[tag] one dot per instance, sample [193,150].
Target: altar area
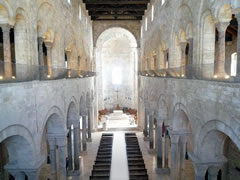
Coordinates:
[117,119]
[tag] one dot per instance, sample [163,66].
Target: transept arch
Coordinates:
[136,35]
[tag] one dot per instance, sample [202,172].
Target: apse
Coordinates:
[116,60]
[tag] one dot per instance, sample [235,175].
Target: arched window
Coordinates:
[80,12]
[234,64]
[152,12]
[116,76]
[146,24]
[163,1]
[69,1]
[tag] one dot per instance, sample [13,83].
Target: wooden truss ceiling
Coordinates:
[116,9]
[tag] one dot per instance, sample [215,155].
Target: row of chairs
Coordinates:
[136,165]
[102,167]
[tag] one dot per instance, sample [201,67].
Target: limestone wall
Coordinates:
[208,106]
[26,107]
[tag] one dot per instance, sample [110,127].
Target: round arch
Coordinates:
[72,114]
[82,105]
[211,139]
[136,35]
[118,31]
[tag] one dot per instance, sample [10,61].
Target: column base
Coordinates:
[152,151]
[89,140]
[73,173]
[163,171]
[146,138]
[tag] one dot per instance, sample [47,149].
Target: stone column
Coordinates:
[61,143]
[159,149]
[189,67]
[221,26]
[18,175]
[165,52]
[174,156]
[183,142]
[166,142]
[200,171]
[33,175]
[7,51]
[145,130]
[68,53]
[183,59]
[49,58]
[40,51]
[154,58]
[155,135]
[213,172]
[76,145]
[151,116]
[89,130]
[238,47]
[84,138]
[52,147]
[69,142]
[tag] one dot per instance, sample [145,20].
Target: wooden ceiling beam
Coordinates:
[115,9]
[114,15]
[116,2]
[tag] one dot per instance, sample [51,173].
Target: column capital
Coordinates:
[222,26]
[61,141]
[183,139]
[174,137]
[32,174]
[183,45]
[213,170]
[200,169]
[17,173]
[48,44]
[5,28]
[51,142]
[75,123]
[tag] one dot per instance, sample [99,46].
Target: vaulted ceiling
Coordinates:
[116,9]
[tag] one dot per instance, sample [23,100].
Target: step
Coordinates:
[136,163]
[138,171]
[134,177]
[101,167]
[135,159]
[99,177]
[100,173]
[135,167]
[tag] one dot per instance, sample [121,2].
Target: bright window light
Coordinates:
[69,1]
[116,76]
[163,1]
[80,12]
[146,24]
[141,32]
[152,12]
[234,64]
